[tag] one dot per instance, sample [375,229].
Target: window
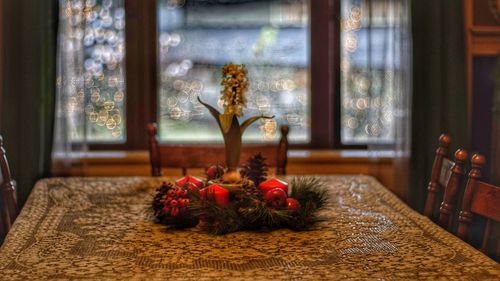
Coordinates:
[125,63]
[196,38]
[369,64]
[91,56]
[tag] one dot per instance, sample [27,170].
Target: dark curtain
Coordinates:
[29,89]
[439,102]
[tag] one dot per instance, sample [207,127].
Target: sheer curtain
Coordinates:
[376,80]
[70,85]
[90,101]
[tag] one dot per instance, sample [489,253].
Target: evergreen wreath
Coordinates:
[247,209]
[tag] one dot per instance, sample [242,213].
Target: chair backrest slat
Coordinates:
[485,201]
[445,173]
[202,155]
[191,156]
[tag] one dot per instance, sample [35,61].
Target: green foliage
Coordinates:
[309,190]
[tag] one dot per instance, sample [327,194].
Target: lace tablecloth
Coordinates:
[102,229]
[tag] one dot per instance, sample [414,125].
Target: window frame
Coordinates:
[141,76]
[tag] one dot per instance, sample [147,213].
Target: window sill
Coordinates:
[294,156]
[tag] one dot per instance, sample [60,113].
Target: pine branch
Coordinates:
[309,190]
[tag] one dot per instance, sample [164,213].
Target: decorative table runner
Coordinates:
[102,229]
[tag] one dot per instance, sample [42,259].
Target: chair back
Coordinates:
[480,199]
[452,180]
[443,187]
[8,199]
[202,155]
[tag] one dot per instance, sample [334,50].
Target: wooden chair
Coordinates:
[8,200]
[201,156]
[446,178]
[481,199]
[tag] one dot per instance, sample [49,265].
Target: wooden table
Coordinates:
[101,229]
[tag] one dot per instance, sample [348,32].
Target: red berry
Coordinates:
[171,192]
[276,197]
[183,202]
[292,205]
[179,192]
[166,209]
[174,203]
[174,212]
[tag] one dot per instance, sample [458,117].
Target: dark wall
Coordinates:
[483,86]
[29,29]
[439,98]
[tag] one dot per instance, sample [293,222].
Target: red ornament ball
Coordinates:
[292,205]
[276,197]
[215,172]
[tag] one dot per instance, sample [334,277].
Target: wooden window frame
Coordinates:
[141,71]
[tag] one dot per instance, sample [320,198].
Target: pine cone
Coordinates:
[255,169]
[250,189]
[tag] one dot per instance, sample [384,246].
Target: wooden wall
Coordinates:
[482,34]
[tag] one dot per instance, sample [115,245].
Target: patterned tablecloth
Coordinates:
[101,229]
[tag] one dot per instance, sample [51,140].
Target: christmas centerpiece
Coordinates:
[232,199]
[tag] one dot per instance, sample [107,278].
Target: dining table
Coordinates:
[103,228]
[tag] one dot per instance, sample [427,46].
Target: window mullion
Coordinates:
[324,72]
[141,72]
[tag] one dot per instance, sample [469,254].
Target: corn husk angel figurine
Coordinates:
[235,85]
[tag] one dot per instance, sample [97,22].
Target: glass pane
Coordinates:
[91,70]
[196,38]
[369,66]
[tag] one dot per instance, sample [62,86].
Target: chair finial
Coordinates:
[478,161]
[284,130]
[461,155]
[152,129]
[444,140]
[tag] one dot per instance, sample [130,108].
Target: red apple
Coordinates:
[292,205]
[276,197]
[215,172]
